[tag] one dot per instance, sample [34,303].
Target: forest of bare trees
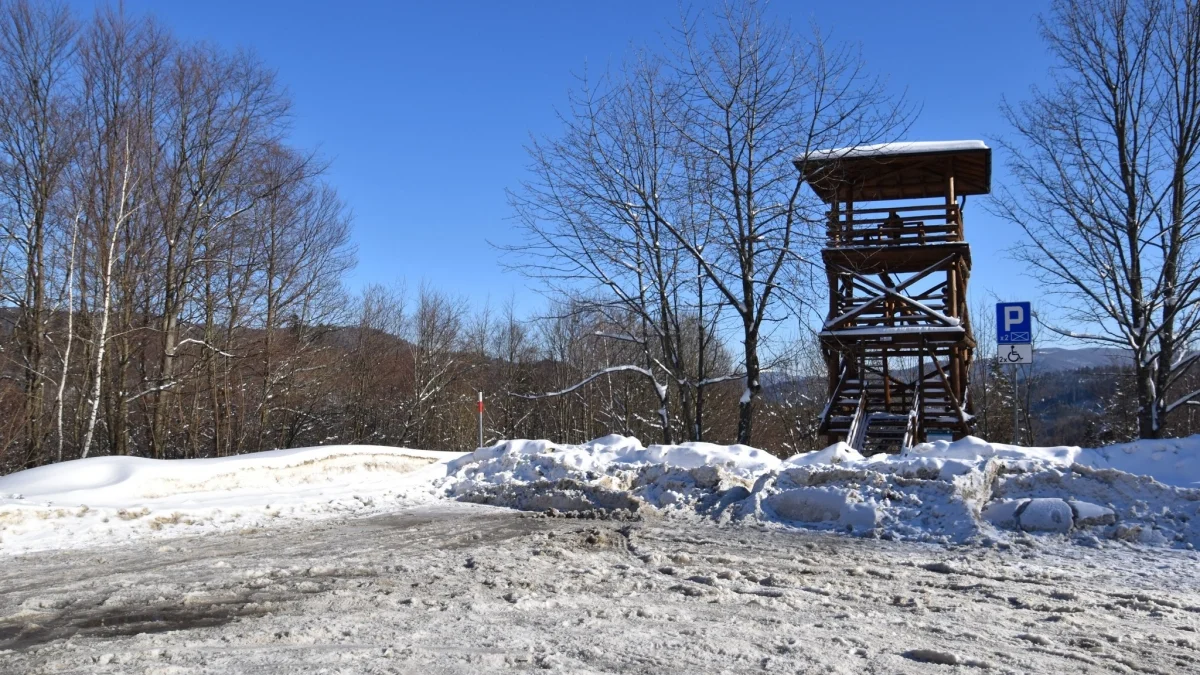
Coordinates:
[172,270]
[172,273]
[165,256]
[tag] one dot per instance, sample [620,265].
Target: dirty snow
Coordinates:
[462,588]
[944,492]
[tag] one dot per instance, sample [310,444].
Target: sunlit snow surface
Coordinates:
[105,500]
[967,491]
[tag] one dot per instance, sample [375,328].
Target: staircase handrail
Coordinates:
[837,389]
[857,432]
[912,433]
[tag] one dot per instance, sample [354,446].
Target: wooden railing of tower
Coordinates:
[921,224]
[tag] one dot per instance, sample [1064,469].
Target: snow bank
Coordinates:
[606,452]
[613,473]
[1170,461]
[116,480]
[102,499]
[965,491]
[968,490]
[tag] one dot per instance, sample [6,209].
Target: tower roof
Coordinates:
[903,170]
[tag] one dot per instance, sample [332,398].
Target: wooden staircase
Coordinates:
[876,415]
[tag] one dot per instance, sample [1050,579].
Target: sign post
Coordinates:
[1014,344]
[481,419]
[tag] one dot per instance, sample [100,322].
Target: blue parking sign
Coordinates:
[1014,323]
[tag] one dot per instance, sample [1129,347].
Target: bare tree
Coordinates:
[65,355]
[302,234]
[108,256]
[588,226]
[685,167]
[218,110]
[435,338]
[119,64]
[37,138]
[991,393]
[1106,168]
[759,96]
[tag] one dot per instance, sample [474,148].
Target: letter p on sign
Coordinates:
[1014,315]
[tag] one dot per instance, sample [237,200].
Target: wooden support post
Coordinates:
[848,227]
[834,294]
[835,225]
[920,391]
[955,374]
[887,382]
[952,204]
[952,290]
[833,363]
[952,310]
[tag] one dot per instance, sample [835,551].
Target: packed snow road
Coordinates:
[462,588]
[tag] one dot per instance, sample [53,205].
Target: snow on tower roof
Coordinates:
[892,149]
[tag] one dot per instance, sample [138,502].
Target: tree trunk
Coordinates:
[750,395]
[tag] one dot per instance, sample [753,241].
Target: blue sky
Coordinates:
[424,108]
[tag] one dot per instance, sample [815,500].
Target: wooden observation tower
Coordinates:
[897,340]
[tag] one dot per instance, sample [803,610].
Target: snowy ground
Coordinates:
[460,588]
[607,557]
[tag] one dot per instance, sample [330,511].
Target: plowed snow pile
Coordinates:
[966,491]
[105,500]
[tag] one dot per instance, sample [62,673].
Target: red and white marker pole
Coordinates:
[481,419]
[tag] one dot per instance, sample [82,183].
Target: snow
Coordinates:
[967,491]
[608,451]
[1046,514]
[1171,461]
[893,330]
[834,454]
[112,481]
[102,500]
[948,492]
[890,149]
[461,588]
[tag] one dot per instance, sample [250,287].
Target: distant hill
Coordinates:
[1048,360]
[1057,359]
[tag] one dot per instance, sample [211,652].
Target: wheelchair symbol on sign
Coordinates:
[1013,355]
